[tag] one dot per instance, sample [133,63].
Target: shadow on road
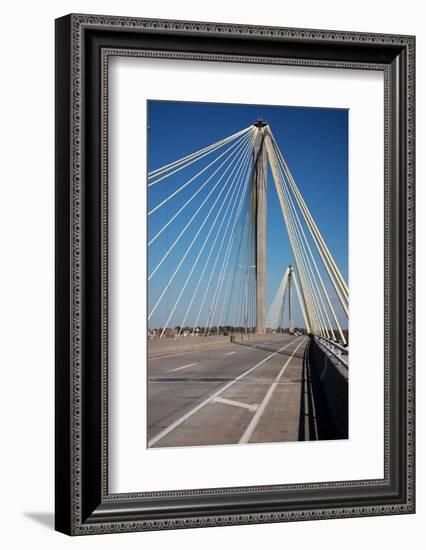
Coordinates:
[315,420]
[270,349]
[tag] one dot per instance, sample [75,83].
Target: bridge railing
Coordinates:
[340,353]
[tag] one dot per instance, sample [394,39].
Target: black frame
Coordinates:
[83,46]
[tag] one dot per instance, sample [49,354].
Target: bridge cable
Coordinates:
[221,275]
[231,148]
[240,201]
[232,188]
[313,228]
[300,267]
[205,241]
[311,223]
[192,242]
[196,156]
[272,316]
[234,159]
[243,260]
[326,263]
[309,260]
[192,197]
[307,270]
[314,263]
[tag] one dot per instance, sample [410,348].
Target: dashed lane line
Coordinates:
[210,348]
[184,367]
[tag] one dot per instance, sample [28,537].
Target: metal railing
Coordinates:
[338,351]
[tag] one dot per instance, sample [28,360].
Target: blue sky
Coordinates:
[314,142]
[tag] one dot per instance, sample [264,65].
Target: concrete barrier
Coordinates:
[239,337]
[169,346]
[332,380]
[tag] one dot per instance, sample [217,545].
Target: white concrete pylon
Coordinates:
[259,208]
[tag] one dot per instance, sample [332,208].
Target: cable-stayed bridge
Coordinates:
[212,332]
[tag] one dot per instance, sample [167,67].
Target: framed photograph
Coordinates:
[234,274]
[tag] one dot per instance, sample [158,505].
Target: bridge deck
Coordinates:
[265,391]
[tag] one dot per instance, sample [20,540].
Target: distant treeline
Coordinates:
[229,329]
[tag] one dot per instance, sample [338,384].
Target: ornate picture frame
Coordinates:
[84,44]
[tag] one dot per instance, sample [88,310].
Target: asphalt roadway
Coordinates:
[256,392]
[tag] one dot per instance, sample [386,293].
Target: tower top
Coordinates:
[260,123]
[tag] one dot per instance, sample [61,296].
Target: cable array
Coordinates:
[202,245]
[197,270]
[275,315]
[308,246]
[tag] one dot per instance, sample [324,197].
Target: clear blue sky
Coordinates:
[314,142]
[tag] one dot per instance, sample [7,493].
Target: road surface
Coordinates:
[256,392]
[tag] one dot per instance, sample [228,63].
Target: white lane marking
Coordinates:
[236,403]
[231,353]
[179,421]
[255,420]
[210,348]
[184,367]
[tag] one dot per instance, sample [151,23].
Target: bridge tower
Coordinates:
[259,197]
[290,290]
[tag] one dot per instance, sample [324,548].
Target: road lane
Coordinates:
[182,406]
[160,365]
[251,428]
[172,394]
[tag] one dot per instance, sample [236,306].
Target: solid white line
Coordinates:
[231,353]
[184,367]
[179,421]
[236,403]
[255,420]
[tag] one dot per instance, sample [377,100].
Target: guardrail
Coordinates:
[335,349]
